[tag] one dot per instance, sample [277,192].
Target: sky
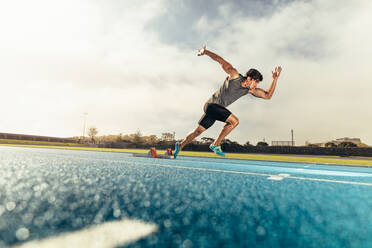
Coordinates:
[131,65]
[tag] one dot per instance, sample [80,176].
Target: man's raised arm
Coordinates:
[267,94]
[226,66]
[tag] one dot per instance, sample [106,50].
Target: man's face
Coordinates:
[253,83]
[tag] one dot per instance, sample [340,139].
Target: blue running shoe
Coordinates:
[211,146]
[176,149]
[217,150]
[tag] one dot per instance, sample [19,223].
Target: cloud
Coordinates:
[99,60]
[323,50]
[132,65]
[176,26]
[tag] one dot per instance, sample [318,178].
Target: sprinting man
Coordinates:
[234,87]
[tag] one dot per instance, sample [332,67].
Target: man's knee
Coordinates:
[237,122]
[233,120]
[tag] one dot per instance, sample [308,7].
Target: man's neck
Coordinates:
[246,84]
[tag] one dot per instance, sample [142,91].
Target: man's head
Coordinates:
[254,74]
[253,78]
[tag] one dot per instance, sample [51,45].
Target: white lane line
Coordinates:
[107,235]
[278,177]
[275,178]
[331,181]
[271,176]
[248,173]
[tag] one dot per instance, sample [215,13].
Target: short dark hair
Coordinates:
[254,74]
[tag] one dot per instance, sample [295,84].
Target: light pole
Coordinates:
[85,120]
[292,137]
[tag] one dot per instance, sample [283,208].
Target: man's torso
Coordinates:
[229,92]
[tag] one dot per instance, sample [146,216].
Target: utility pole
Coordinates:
[85,120]
[292,137]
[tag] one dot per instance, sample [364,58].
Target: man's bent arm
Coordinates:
[267,94]
[271,89]
[226,66]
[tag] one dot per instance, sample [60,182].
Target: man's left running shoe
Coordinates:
[217,150]
[176,149]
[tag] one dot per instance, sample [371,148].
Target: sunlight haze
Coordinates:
[132,65]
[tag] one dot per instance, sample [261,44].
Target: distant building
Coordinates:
[282,143]
[340,140]
[168,136]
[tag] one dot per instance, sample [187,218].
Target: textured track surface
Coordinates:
[195,202]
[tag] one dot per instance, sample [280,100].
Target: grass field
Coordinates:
[353,161]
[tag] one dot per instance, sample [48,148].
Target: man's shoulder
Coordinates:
[233,77]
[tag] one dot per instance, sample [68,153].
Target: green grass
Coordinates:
[263,157]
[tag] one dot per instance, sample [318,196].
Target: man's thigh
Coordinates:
[217,112]
[206,121]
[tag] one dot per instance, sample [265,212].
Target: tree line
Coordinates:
[139,140]
[168,139]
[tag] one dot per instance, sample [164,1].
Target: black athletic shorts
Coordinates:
[213,112]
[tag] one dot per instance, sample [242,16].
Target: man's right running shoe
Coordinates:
[217,150]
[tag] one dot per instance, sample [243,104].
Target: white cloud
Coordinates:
[61,59]
[322,93]
[100,61]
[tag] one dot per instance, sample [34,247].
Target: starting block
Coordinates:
[153,154]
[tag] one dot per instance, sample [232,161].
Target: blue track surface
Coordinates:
[196,202]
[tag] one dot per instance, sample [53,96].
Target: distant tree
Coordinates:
[347,144]
[229,142]
[150,140]
[330,144]
[207,140]
[312,145]
[195,142]
[137,137]
[109,138]
[127,137]
[92,133]
[262,143]
[248,144]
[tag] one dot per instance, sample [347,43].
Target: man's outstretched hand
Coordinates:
[201,51]
[276,72]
